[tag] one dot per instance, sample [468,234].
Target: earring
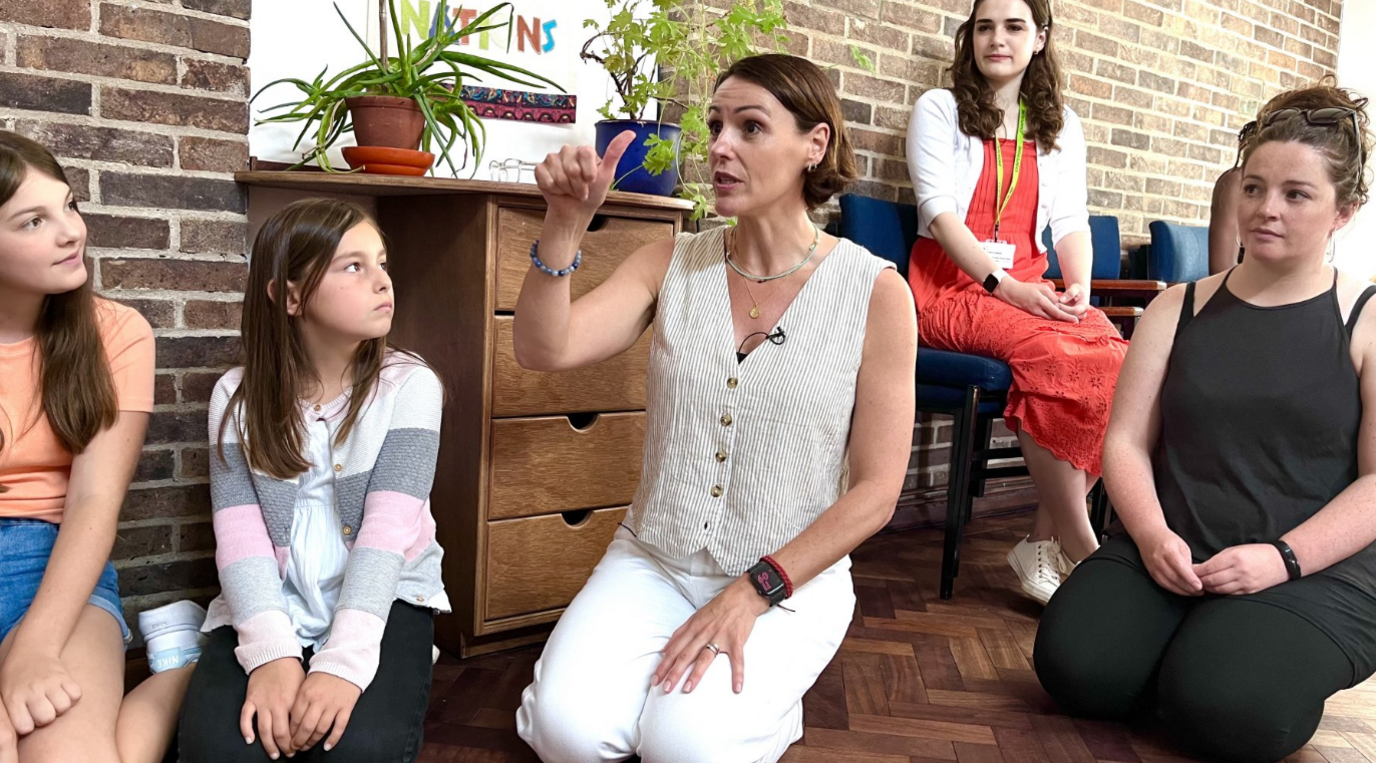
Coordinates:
[811,167]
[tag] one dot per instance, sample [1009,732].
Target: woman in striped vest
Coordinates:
[773,344]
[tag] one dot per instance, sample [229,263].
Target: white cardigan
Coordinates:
[945,165]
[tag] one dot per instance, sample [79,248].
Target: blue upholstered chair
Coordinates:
[1179,253]
[971,389]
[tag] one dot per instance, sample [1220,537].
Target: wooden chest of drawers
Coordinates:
[535,470]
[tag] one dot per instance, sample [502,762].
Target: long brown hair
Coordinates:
[809,96]
[1041,84]
[78,391]
[295,245]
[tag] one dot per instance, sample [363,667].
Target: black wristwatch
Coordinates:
[768,582]
[1292,565]
[992,281]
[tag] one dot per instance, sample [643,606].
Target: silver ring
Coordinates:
[714,648]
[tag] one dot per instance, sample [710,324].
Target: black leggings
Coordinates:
[1234,680]
[385,726]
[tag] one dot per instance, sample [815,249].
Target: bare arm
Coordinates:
[551,333]
[1347,524]
[1223,239]
[34,685]
[1133,429]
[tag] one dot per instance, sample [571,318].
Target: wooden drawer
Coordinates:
[539,563]
[545,465]
[617,384]
[611,240]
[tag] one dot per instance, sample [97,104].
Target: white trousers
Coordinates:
[591,699]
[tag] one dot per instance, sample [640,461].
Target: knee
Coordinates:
[1225,722]
[1080,672]
[564,727]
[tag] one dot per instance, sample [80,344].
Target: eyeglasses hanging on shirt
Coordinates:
[775,337]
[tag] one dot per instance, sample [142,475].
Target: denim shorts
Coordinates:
[25,546]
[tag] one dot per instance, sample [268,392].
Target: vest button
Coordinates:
[731,383]
[339,467]
[721,456]
[316,406]
[348,530]
[726,419]
[716,491]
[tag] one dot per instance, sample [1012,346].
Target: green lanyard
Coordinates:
[1017,167]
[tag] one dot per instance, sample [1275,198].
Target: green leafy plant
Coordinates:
[668,53]
[432,73]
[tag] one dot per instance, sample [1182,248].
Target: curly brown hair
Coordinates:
[1041,84]
[810,97]
[1345,145]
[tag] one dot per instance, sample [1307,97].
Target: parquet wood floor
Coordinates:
[918,680]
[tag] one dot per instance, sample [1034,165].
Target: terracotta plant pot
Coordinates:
[386,120]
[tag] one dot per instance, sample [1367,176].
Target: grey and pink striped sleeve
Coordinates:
[244,549]
[397,525]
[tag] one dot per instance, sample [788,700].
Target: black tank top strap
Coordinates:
[1186,310]
[1357,308]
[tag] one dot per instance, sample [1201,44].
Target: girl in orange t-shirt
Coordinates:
[76,389]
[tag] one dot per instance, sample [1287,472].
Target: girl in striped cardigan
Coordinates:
[323,453]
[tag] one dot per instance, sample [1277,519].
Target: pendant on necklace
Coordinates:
[755,311]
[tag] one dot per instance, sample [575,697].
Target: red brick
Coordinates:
[174,109]
[170,192]
[211,155]
[156,465]
[1191,131]
[1136,98]
[866,86]
[159,312]
[164,389]
[202,314]
[1114,114]
[175,275]
[1237,24]
[189,501]
[1197,52]
[856,112]
[1106,157]
[853,8]
[1096,44]
[195,536]
[145,579]
[1169,147]
[1268,36]
[878,34]
[80,181]
[910,17]
[1156,82]
[817,19]
[62,14]
[176,29]
[239,9]
[32,93]
[878,142]
[176,426]
[216,77]
[197,387]
[1125,74]
[120,232]
[1119,29]
[1143,13]
[1095,88]
[214,237]
[82,57]
[139,542]
[105,144]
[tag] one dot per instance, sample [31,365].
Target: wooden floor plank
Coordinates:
[917,680]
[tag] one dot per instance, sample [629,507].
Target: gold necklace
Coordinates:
[755,304]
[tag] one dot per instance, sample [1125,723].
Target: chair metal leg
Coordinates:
[958,497]
[984,435]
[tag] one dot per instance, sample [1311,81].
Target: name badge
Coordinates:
[1001,252]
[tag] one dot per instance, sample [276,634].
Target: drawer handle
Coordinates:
[582,422]
[598,223]
[576,518]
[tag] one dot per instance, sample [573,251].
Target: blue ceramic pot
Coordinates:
[632,175]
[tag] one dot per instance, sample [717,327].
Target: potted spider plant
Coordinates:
[666,54]
[405,101]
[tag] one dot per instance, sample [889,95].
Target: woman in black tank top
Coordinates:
[1239,591]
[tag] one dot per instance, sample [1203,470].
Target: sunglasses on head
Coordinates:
[1325,117]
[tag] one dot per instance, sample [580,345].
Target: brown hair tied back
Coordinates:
[1041,84]
[809,96]
[1345,144]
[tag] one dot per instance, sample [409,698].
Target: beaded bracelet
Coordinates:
[779,568]
[547,270]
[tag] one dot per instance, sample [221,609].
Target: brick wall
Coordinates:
[1161,85]
[145,104]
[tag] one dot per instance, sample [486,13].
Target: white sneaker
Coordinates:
[172,634]
[1063,564]
[1037,566]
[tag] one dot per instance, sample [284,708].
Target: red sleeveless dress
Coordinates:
[1064,374]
